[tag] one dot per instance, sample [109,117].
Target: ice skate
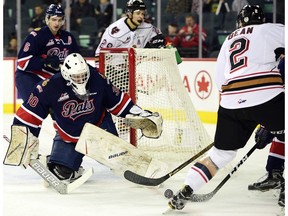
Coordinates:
[281,200]
[179,200]
[273,181]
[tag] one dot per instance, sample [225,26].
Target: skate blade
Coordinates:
[168,211]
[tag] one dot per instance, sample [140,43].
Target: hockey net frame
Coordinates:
[144,73]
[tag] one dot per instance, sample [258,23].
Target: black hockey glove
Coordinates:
[263,137]
[156,42]
[278,52]
[52,62]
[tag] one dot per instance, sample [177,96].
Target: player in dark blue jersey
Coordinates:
[78,95]
[43,50]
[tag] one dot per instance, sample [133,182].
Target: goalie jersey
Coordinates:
[41,43]
[70,112]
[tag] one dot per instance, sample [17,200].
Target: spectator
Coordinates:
[172,35]
[79,10]
[11,50]
[237,5]
[189,34]
[104,13]
[177,7]
[38,20]
[216,6]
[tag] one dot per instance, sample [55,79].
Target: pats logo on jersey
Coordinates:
[73,109]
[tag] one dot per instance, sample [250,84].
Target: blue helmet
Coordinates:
[55,10]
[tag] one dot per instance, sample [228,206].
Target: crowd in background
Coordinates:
[179,22]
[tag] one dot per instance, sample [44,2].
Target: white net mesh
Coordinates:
[158,88]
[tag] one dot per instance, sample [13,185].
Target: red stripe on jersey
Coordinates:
[66,137]
[28,117]
[23,62]
[277,148]
[121,106]
[200,173]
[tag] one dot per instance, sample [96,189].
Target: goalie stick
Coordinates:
[208,196]
[60,186]
[138,179]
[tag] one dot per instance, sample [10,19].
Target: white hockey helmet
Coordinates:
[76,72]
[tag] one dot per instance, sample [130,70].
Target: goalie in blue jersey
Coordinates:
[78,95]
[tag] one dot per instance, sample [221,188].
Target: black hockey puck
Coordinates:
[168,193]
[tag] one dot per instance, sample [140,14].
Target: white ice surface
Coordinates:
[105,194]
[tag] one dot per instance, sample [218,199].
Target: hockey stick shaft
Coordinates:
[208,196]
[142,180]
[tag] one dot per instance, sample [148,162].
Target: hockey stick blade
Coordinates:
[78,182]
[61,187]
[208,196]
[142,180]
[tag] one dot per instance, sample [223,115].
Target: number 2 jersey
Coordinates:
[70,112]
[246,70]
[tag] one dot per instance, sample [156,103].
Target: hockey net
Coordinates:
[152,79]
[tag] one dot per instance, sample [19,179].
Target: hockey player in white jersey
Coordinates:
[131,31]
[252,93]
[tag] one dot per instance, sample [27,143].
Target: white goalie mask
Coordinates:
[76,72]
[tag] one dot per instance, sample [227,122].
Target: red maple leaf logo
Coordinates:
[203,85]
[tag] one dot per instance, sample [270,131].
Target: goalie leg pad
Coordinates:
[64,153]
[23,147]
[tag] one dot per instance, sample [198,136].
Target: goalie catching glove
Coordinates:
[149,122]
[23,147]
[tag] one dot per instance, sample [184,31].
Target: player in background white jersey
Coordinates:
[252,93]
[131,31]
